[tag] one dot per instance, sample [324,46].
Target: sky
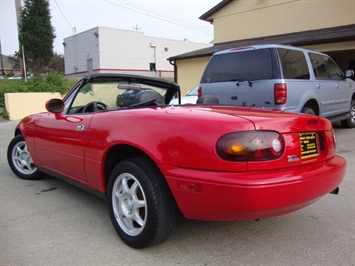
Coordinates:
[171,19]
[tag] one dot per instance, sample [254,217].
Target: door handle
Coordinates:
[234,97]
[318,86]
[338,86]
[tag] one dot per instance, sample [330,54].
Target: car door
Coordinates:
[330,86]
[341,86]
[60,143]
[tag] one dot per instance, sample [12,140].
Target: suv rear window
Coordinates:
[246,65]
[294,64]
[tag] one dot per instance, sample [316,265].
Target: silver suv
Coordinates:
[281,77]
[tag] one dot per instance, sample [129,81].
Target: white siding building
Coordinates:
[108,50]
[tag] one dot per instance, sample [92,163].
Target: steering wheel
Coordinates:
[95,106]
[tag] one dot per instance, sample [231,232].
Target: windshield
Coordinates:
[114,92]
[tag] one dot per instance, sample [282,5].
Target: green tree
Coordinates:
[36,35]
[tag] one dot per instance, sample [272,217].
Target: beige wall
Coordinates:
[244,19]
[19,105]
[190,72]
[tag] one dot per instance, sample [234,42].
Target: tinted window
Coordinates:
[246,65]
[325,68]
[318,65]
[294,64]
[333,69]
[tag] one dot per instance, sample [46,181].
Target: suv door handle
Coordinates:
[338,86]
[234,97]
[319,86]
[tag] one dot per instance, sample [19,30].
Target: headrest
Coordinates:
[143,98]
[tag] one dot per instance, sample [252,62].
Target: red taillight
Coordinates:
[199,92]
[280,93]
[251,146]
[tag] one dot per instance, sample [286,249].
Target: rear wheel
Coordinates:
[20,160]
[350,122]
[308,110]
[140,203]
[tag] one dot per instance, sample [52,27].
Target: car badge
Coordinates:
[293,158]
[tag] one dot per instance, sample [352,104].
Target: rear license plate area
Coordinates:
[309,145]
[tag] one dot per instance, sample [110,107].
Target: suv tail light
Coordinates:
[251,146]
[280,93]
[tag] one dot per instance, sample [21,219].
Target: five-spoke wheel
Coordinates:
[129,204]
[20,159]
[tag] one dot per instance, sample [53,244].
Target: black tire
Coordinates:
[307,110]
[20,160]
[141,207]
[350,122]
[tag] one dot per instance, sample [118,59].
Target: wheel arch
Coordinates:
[121,152]
[312,103]
[18,132]
[117,154]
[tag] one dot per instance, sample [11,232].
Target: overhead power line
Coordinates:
[73,28]
[156,15]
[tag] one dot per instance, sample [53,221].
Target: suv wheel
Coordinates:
[307,110]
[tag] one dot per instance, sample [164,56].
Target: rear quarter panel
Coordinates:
[170,136]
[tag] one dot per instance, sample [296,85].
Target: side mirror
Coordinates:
[349,73]
[55,106]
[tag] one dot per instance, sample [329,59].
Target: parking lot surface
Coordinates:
[49,222]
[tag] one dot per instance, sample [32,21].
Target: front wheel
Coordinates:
[20,160]
[140,203]
[350,122]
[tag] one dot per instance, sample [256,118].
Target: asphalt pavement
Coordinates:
[49,222]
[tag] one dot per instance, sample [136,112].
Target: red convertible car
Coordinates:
[117,136]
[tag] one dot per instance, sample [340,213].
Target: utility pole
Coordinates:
[18,6]
[2,63]
[136,28]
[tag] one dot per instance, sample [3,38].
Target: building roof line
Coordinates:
[206,16]
[310,37]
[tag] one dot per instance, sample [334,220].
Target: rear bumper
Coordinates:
[252,195]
